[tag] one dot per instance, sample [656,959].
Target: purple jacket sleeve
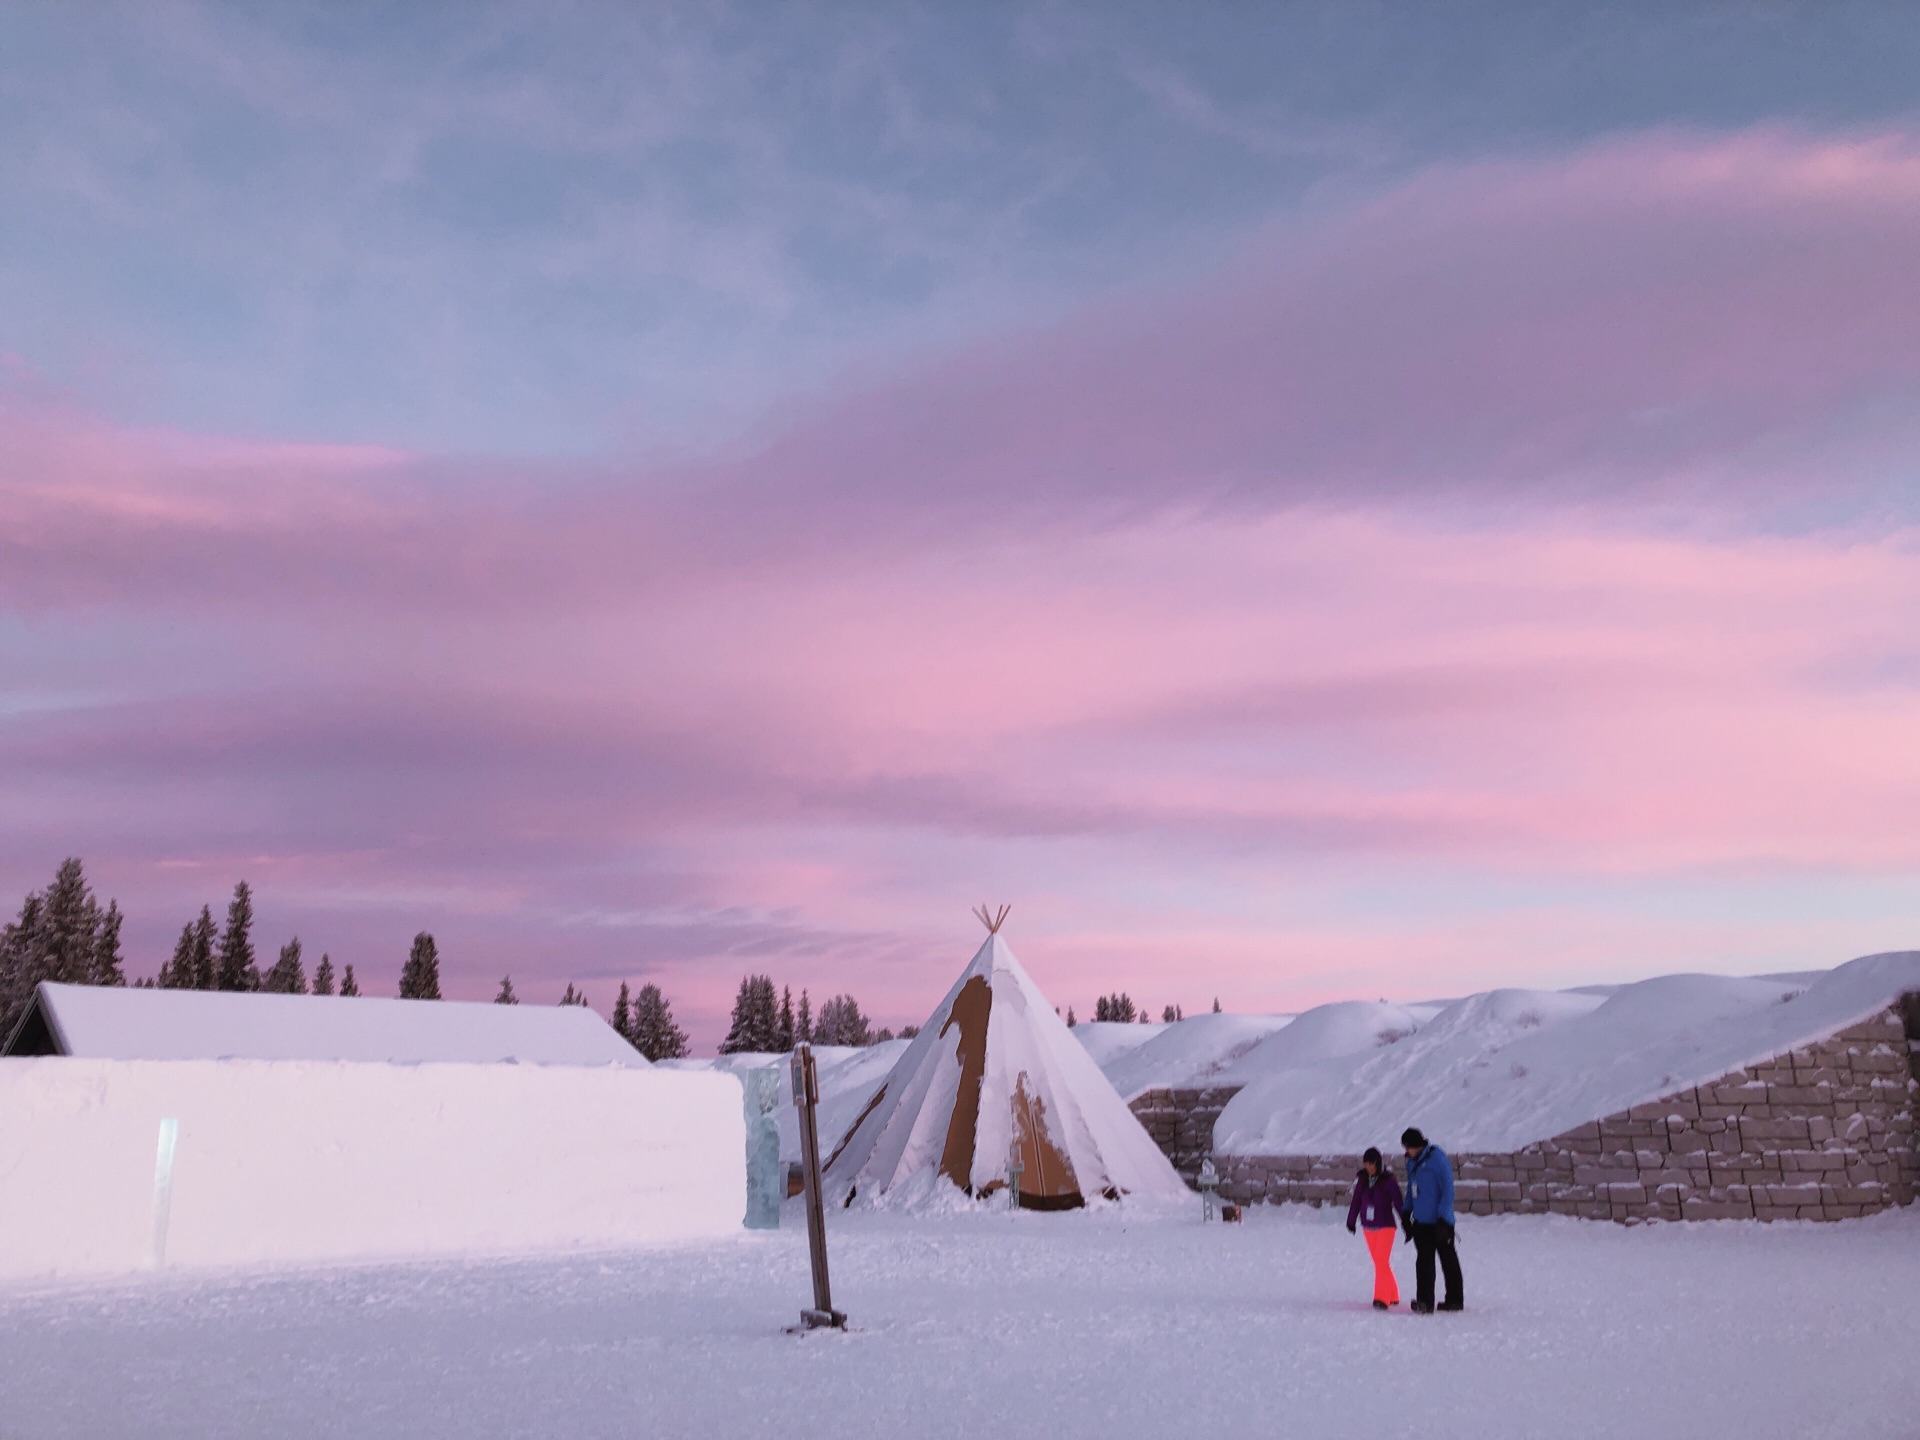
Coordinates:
[1353,1205]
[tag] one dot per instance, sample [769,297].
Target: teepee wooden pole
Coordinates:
[992,919]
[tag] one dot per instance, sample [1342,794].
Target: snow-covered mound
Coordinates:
[1188,1053]
[849,1075]
[1327,1032]
[1503,1069]
[1106,1041]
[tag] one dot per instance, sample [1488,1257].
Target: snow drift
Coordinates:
[290,1162]
[1193,1051]
[1106,1040]
[1500,1070]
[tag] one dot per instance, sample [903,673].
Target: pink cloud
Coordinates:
[1419,555]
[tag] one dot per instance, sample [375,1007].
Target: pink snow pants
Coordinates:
[1380,1246]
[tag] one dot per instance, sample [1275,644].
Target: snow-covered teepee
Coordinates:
[995,1079]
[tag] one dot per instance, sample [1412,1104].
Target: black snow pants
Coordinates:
[1430,1240]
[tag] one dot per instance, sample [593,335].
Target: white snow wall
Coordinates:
[299,1162]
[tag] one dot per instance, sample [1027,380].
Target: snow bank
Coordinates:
[1189,1052]
[294,1162]
[1346,1027]
[102,1022]
[1106,1041]
[1503,1069]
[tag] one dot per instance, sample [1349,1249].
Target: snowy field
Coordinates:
[989,1324]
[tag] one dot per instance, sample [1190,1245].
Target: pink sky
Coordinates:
[1505,577]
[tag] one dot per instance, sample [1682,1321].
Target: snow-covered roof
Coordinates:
[98,1022]
[1503,1069]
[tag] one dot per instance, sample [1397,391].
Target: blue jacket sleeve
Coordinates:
[1443,1187]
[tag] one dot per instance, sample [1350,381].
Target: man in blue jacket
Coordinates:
[1429,1222]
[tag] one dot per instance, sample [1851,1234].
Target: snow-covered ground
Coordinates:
[1087,1324]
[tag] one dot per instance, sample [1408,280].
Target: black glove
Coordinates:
[1350,1227]
[1407,1225]
[1446,1231]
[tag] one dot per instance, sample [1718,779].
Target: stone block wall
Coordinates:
[1826,1132]
[1181,1122]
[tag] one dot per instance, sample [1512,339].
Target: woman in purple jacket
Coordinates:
[1377,1208]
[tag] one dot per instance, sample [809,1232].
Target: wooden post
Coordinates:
[806,1096]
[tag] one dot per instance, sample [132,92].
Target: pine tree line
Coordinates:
[62,934]
[1115,1009]
[1119,1009]
[206,958]
[766,1025]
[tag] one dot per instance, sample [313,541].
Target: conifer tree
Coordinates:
[420,979]
[1071,1022]
[623,1014]
[654,1033]
[68,920]
[177,973]
[756,1022]
[909,1032]
[62,935]
[234,968]
[783,1032]
[1216,1004]
[21,947]
[288,976]
[182,972]
[803,1024]
[109,967]
[841,1023]
[506,995]
[202,952]
[323,975]
[573,996]
[349,987]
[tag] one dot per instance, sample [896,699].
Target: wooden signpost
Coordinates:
[806,1096]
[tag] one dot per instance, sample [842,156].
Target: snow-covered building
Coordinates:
[1680,1097]
[995,1080]
[164,1128]
[110,1023]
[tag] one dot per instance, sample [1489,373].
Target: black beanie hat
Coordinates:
[1412,1139]
[1372,1157]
